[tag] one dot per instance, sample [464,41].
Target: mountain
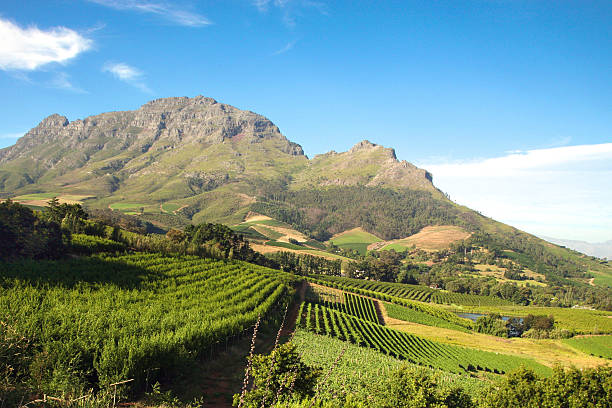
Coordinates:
[598,249]
[209,158]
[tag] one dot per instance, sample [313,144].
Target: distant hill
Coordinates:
[600,249]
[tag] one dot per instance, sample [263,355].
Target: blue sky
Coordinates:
[446,83]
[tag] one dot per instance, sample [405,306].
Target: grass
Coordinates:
[600,346]
[284,245]
[170,207]
[356,239]
[126,206]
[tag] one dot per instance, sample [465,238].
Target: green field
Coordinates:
[170,207]
[110,318]
[37,196]
[126,206]
[396,247]
[599,346]
[356,239]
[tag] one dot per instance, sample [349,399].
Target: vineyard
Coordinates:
[410,292]
[599,346]
[415,315]
[361,371]
[357,306]
[327,321]
[98,320]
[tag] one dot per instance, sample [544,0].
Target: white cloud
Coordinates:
[167,10]
[31,48]
[62,81]
[128,74]
[286,48]
[563,192]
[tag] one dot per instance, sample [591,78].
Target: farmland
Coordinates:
[410,292]
[356,239]
[120,316]
[600,346]
[415,349]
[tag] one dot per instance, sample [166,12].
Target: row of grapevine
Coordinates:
[420,307]
[410,292]
[118,316]
[415,315]
[409,347]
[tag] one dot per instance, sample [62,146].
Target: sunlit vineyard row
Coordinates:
[323,320]
[110,318]
[411,292]
[433,310]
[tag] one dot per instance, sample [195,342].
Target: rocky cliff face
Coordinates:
[174,120]
[180,148]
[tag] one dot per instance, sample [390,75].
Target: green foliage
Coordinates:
[110,318]
[409,388]
[24,235]
[565,388]
[384,212]
[303,264]
[88,245]
[491,324]
[277,376]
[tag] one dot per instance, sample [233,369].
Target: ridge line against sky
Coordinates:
[441,82]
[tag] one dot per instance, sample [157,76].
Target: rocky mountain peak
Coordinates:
[53,121]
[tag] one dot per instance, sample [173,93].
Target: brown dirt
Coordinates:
[431,238]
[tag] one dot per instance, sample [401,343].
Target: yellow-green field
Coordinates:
[356,239]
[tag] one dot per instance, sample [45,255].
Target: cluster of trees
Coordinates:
[532,326]
[29,235]
[303,264]
[385,212]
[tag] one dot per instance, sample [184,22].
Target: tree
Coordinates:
[279,374]
[410,388]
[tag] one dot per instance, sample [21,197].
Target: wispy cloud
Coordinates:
[128,74]
[563,192]
[286,48]
[31,48]
[62,81]
[166,10]
[290,9]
